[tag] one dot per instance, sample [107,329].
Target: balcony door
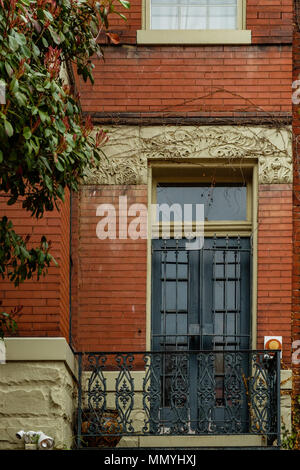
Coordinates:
[200,315]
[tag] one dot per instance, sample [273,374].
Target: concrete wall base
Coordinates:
[37,395]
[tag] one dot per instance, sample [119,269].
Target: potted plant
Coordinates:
[33,442]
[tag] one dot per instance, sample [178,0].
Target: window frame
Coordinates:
[194,36]
[211,227]
[158,170]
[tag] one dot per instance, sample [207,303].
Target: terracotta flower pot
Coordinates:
[108,424]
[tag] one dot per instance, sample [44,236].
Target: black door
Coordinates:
[200,314]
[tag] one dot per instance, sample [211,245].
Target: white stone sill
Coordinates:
[173,36]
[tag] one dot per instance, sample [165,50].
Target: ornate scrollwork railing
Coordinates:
[177,393]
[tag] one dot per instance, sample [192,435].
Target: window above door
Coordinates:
[221,201]
[194,22]
[226,196]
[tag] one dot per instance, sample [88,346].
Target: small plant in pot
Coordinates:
[33,442]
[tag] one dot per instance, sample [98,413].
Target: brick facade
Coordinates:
[296,224]
[196,78]
[109,277]
[193,80]
[96,297]
[46,302]
[269,21]
[108,291]
[274,268]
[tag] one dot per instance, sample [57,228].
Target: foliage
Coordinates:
[45,146]
[8,322]
[290,437]
[17,262]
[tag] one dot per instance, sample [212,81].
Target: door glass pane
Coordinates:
[230,295]
[231,323]
[182,291]
[219,323]
[174,296]
[219,295]
[170,295]
[221,202]
[173,324]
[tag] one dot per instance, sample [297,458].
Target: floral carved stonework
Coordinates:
[129,150]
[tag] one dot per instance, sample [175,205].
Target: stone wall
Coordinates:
[37,395]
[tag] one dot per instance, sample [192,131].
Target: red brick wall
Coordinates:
[196,78]
[269,20]
[108,277]
[45,302]
[274,297]
[187,79]
[296,222]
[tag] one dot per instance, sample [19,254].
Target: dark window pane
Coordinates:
[221,202]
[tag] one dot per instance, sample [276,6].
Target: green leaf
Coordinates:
[14,86]
[43,115]
[20,38]
[60,126]
[9,69]
[35,50]
[45,42]
[8,128]
[26,51]
[48,183]
[121,15]
[13,43]
[25,2]
[62,36]
[61,192]
[59,166]
[25,252]
[125,3]
[46,163]
[48,15]
[55,36]
[27,133]
[40,88]
[21,98]
[12,200]
[70,108]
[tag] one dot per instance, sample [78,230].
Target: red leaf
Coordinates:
[115,39]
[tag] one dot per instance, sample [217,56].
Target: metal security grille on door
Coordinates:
[201,302]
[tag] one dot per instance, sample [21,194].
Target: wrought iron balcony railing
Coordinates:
[177,393]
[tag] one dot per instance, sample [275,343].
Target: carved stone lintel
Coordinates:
[119,171]
[130,148]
